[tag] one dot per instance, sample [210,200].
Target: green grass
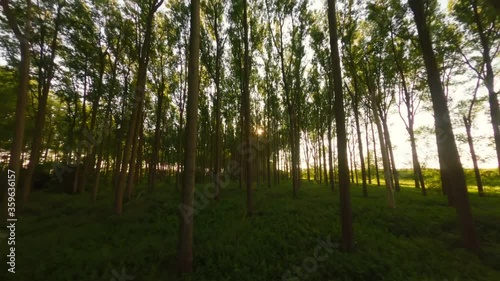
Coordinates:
[62,237]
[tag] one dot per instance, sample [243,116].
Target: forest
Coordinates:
[216,140]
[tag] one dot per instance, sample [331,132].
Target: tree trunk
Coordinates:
[133,170]
[157,137]
[479,182]
[138,105]
[489,81]
[307,157]
[45,81]
[218,120]
[90,159]
[81,131]
[105,142]
[373,88]
[330,156]
[375,154]
[368,164]
[391,155]
[447,149]
[324,160]
[185,248]
[351,162]
[417,170]
[246,111]
[345,197]
[15,162]
[361,156]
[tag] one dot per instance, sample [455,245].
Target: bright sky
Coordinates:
[426,145]
[482,130]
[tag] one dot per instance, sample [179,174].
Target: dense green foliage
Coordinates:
[63,238]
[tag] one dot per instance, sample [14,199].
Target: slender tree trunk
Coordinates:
[368,164]
[375,155]
[140,153]
[330,116]
[315,160]
[489,80]
[246,110]
[45,82]
[218,120]
[417,170]
[82,141]
[320,170]
[351,161]
[91,152]
[345,197]
[385,156]
[391,155]
[105,142]
[361,156]
[157,137]
[119,137]
[134,159]
[138,105]
[307,157]
[479,182]
[418,177]
[275,162]
[185,248]
[354,161]
[447,149]
[268,159]
[324,160]
[373,89]
[15,163]
[330,157]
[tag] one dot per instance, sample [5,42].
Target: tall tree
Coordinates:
[468,122]
[214,12]
[143,48]
[246,109]
[344,186]
[482,26]
[23,35]
[46,69]
[185,247]
[447,148]
[350,26]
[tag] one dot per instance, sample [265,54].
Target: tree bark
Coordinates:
[157,136]
[345,196]
[325,177]
[138,105]
[390,153]
[246,111]
[45,81]
[368,164]
[185,248]
[479,182]
[15,162]
[447,149]
[218,120]
[375,155]
[489,81]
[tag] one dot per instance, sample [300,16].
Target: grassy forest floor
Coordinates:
[61,237]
